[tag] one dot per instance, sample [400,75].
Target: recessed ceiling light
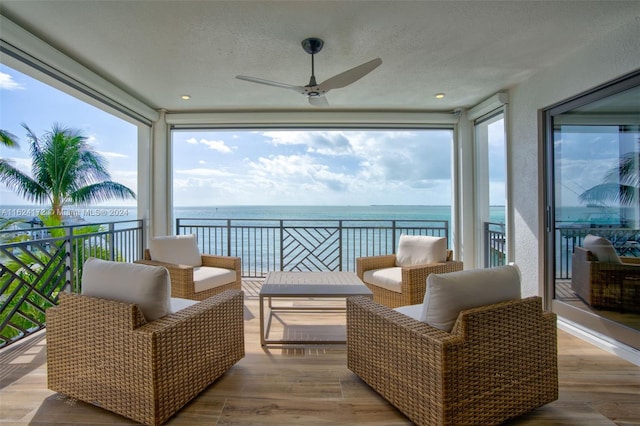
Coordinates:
[439,95]
[186,97]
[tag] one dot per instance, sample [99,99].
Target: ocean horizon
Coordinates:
[99,214]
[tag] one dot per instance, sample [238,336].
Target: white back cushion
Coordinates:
[601,248]
[147,286]
[420,250]
[448,294]
[178,249]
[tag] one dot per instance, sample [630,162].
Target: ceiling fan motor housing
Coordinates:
[312,45]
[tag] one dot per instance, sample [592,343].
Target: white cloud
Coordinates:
[22,164]
[108,154]
[202,172]
[8,83]
[325,143]
[216,145]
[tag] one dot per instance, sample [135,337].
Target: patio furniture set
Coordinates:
[145,338]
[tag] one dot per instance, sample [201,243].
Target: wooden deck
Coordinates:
[312,386]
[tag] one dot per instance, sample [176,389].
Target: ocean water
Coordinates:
[296,212]
[564,215]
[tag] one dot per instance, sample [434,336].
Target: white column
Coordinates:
[160,179]
[464,197]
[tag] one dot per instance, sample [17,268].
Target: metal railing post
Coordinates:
[228,237]
[281,245]
[393,236]
[111,241]
[69,261]
[340,245]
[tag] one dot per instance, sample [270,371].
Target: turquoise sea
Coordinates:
[375,212]
[564,215]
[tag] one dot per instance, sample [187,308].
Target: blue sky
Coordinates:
[248,167]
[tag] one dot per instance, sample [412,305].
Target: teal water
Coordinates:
[564,215]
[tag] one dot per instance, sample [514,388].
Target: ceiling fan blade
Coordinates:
[319,101]
[298,89]
[349,76]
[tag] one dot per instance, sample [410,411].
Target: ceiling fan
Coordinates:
[314,91]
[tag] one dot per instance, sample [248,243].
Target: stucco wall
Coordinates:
[601,61]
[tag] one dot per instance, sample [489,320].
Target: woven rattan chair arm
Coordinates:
[374,262]
[74,309]
[227,262]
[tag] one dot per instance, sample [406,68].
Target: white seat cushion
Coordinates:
[420,250]
[413,311]
[178,304]
[389,278]
[177,249]
[147,286]
[448,294]
[601,248]
[208,277]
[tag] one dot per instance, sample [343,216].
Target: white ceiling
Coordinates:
[159,50]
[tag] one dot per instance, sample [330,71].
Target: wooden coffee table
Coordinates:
[305,285]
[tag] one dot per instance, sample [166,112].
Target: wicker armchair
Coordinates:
[606,285]
[104,352]
[182,278]
[483,372]
[414,278]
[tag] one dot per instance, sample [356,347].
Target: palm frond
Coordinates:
[612,192]
[22,184]
[8,139]
[101,192]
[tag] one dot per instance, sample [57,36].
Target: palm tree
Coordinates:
[65,171]
[621,184]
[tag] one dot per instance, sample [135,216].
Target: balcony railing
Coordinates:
[37,263]
[626,241]
[495,244]
[303,245]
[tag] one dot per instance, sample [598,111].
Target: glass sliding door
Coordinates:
[593,187]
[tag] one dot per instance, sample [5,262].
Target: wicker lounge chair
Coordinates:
[497,362]
[609,284]
[413,277]
[184,281]
[106,353]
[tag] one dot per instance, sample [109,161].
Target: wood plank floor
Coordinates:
[312,386]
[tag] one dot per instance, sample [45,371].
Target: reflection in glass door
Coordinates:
[594,150]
